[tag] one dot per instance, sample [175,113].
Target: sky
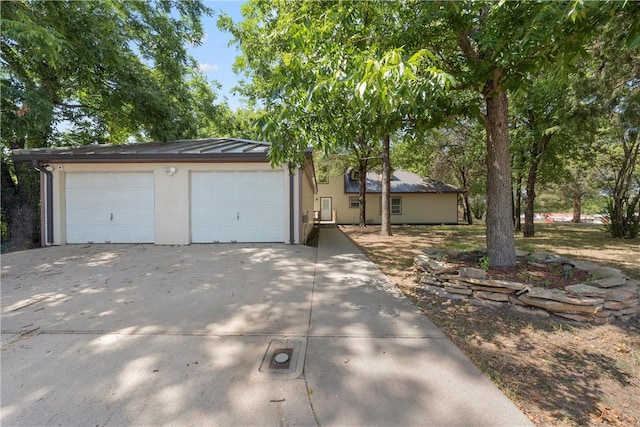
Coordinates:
[214,55]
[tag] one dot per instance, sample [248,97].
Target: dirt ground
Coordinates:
[558,372]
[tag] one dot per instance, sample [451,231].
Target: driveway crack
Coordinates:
[306,383]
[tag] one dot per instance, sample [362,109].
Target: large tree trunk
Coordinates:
[519,161]
[19,206]
[465,196]
[518,202]
[21,209]
[577,208]
[385,229]
[529,229]
[536,156]
[623,216]
[467,208]
[501,246]
[362,192]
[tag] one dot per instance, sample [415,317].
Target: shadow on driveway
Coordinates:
[156,335]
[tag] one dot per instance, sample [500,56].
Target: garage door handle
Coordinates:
[238,216]
[111,217]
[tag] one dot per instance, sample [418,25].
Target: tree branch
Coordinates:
[68,105]
[465,46]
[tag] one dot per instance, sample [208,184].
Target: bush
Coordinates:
[621,224]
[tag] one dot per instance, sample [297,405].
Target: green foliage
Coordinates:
[81,72]
[328,74]
[107,70]
[483,262]
[612,86]
[331,74]
[478,205]
[329,166]
[542,136]
[622,221]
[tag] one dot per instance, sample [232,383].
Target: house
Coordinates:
[175,193]
[414,200]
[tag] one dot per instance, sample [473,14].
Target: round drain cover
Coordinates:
[281,358]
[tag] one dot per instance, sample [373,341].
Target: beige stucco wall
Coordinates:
[417,208]
[171,197]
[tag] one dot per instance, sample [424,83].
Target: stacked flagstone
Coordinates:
[609,295]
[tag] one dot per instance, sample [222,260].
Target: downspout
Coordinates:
[48,200]
[291,208]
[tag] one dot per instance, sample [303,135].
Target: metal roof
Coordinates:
[402,181]
[211,149]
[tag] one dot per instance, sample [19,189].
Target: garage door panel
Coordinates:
[218,212]
[269,234]
[268,196]
[214,234]
[213,180]
[107,234]
[237,206]
[109,198]
[221,195]
[117,217]
[108,180]
[265,216]
[110,207]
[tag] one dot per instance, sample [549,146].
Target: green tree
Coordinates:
[81,72]
[391,91]
[490,48]
[460,154]
[611,86]
[580,182]
[542,137]
[328,76]
[452,154]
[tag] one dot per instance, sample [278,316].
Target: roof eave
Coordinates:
[141,158]
[410,192]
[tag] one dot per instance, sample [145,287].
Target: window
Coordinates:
[396,206]
[354,202]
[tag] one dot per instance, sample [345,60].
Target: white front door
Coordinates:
[238,207]
[325,209]
[110,207]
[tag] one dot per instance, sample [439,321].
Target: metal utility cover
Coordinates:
[267,367]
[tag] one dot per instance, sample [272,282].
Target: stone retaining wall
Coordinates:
[609,295]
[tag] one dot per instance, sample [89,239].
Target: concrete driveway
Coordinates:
[152,335]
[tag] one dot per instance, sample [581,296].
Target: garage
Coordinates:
[112,207]
[240,206]
[212,190]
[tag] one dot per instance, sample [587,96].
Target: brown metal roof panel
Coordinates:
[148,152]
[219,146]
[143,158]
[238,148]
[250,147]
[257,149]
[178,147]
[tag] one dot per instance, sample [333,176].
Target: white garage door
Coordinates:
[110,207]
[237,207]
